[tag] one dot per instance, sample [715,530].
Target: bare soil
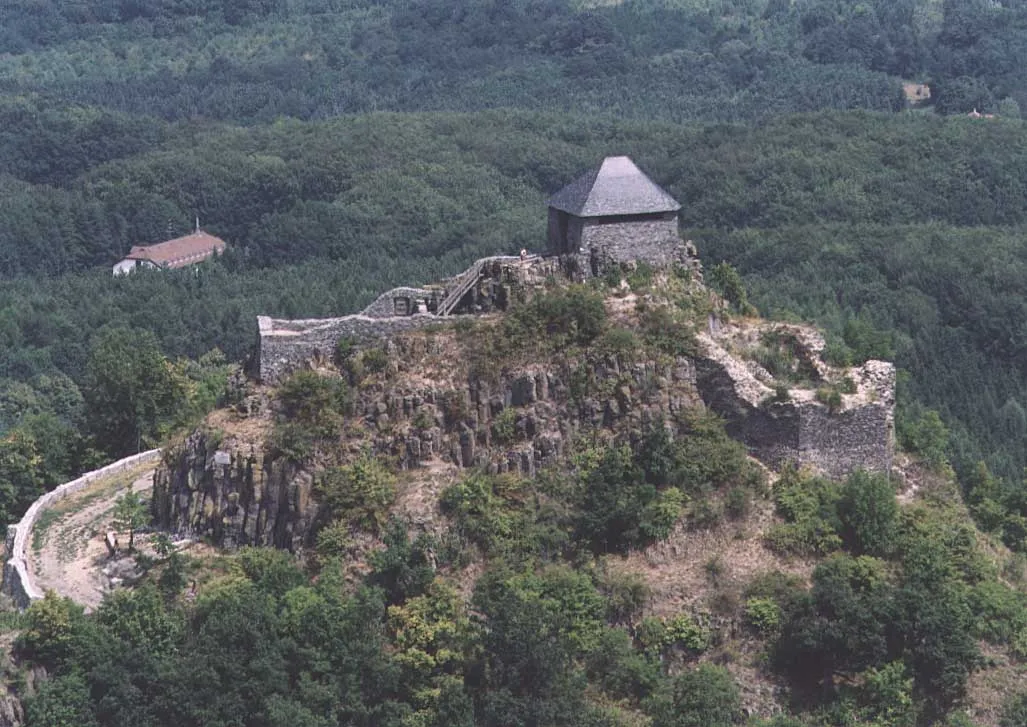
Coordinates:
[71,553]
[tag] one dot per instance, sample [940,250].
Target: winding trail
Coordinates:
[66,550]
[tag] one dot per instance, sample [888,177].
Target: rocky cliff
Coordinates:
[430,404]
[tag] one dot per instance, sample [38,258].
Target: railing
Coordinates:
[466,282]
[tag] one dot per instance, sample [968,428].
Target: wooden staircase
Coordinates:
[464,284]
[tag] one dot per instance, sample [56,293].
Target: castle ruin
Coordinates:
[612,216]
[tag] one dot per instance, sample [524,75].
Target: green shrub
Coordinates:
[704,697]
[926,436]
[659,516]
[736,503]
[626,595]
[375,360]
[830,397]
[684,632]
[999,612]
[311,412]
[668,331]
[360,493]
[763,614]
[501,515]
[333,540]
[504,426]
[809,506]
[726,281]
[620,342]
[315,401]
[869,514]
[705,514]
[574,315]
[641,278]
[344,349]
[681,631]
[423,419]
[1014,713]
[621,671]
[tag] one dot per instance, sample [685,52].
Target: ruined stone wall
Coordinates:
[286,346]
[860,435]
[839,443]
[384,305]
[655,241]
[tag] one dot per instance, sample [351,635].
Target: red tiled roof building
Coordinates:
[178,253]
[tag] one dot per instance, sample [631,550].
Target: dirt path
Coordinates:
[67,551]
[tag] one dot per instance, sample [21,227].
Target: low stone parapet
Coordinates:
[17,581]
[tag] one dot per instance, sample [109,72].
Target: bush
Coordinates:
[656,635]
[344,349]
[626,595]
[830,397]
[620,342]
[809,507]
[726,281]
[619,669]
[736,503]
[312,409]
[504,426]
[926,436]
[1014,713]
[704,697]
[869,514]
[375,360]
[668,331]
[763,614]
[360,493]
[574,315]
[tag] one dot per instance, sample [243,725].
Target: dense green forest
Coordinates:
[344,146]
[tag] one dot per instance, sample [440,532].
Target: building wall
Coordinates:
[384,306]
[861,436]
[124,267]
[655,241]
[557,243]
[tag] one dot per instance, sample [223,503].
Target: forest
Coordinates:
[342,147]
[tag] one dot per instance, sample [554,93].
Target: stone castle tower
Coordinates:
[614,214]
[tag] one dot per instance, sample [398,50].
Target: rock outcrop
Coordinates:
[429,408]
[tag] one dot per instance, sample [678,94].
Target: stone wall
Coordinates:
[654,241]
[286,346]
[384,306]
[860,435]
[17,582]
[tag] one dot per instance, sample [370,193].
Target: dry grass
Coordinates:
[691,567]
[990,687]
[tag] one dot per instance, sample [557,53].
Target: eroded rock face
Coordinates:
[11,712]
[240,497]
[428,410]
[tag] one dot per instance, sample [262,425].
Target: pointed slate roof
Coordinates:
[616,187]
